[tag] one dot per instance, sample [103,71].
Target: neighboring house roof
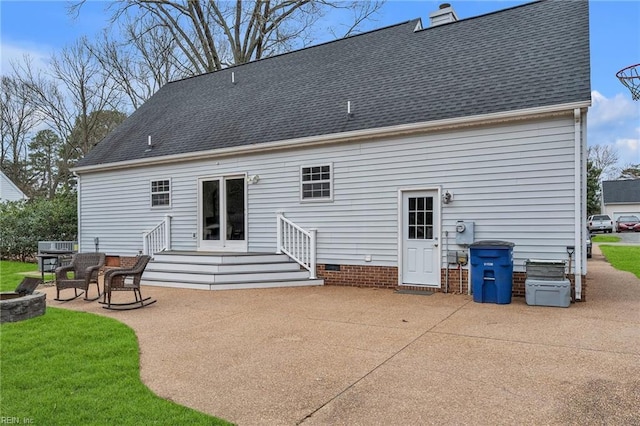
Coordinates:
[621,191]
[9,191]
[529,56]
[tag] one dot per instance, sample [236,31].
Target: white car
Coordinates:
[600,222]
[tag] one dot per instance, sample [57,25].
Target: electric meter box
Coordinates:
[464,232]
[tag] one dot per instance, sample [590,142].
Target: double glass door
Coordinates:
[222,214]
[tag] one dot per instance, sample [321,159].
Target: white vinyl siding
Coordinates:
[515,181]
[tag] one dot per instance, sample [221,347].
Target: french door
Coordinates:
[222,218]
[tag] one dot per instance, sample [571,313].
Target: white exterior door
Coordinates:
[222,214]
[420,231]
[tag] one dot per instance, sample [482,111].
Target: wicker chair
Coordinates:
[126,279]
[85,267]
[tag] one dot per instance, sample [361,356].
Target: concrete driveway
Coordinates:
[353,356]
[628,237]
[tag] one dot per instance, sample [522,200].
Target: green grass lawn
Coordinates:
[11,273]
[75,368]
[624,258]
[605,239]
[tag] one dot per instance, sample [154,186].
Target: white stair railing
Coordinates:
[298,244]
[158,239]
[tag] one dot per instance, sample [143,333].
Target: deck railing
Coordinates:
[158,239]
[298,244]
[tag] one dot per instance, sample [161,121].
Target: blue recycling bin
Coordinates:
[491,271]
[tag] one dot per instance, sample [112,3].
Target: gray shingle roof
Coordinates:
[528,56]
[621,191]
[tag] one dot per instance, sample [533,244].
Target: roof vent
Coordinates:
[444,15]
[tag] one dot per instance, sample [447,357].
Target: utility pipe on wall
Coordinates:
[577,189]
[446,256]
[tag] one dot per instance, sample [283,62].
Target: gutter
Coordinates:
[357,135]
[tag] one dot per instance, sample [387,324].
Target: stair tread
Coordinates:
[226,273]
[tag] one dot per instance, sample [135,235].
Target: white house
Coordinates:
[9,191]
[376,145]
[621,197]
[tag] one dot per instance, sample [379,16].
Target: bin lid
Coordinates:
[492,244]
[544,262]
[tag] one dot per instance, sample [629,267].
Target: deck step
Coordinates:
[223,271]
[225,278]
[210,268]
[234,286]
[219,259]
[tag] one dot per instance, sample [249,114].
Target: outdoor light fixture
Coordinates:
[254,179]
[447,197]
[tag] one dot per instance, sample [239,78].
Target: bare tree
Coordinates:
[630,171]
[210,35]
[75,87]
[17,119]
[138,66]
[604,158]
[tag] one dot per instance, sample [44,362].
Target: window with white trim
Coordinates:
[316,183]
[161,193]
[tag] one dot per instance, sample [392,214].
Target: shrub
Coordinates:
[24,223]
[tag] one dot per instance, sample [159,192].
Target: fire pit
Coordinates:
[23,303]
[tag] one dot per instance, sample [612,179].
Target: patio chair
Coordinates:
[126,279]
[85,267]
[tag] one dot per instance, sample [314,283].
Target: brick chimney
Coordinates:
[444,15]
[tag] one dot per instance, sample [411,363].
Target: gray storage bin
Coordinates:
[548,293]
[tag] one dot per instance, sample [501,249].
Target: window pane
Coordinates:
[429,203]
[160,199]
[210,226]
[412,203]
[429,233]
[235,208]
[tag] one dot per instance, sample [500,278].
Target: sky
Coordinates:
[40,28]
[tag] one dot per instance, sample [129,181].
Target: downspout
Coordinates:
[79,198]
[583,217]
[578,203]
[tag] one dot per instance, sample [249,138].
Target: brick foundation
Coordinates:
[121,261]
[387,277]
[359,276]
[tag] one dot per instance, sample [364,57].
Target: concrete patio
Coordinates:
[349,356]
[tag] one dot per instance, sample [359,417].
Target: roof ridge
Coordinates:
[279,55]
[470,18]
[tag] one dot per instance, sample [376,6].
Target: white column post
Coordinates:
[167,232]
[279,232]
[145,244]
[312,275]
